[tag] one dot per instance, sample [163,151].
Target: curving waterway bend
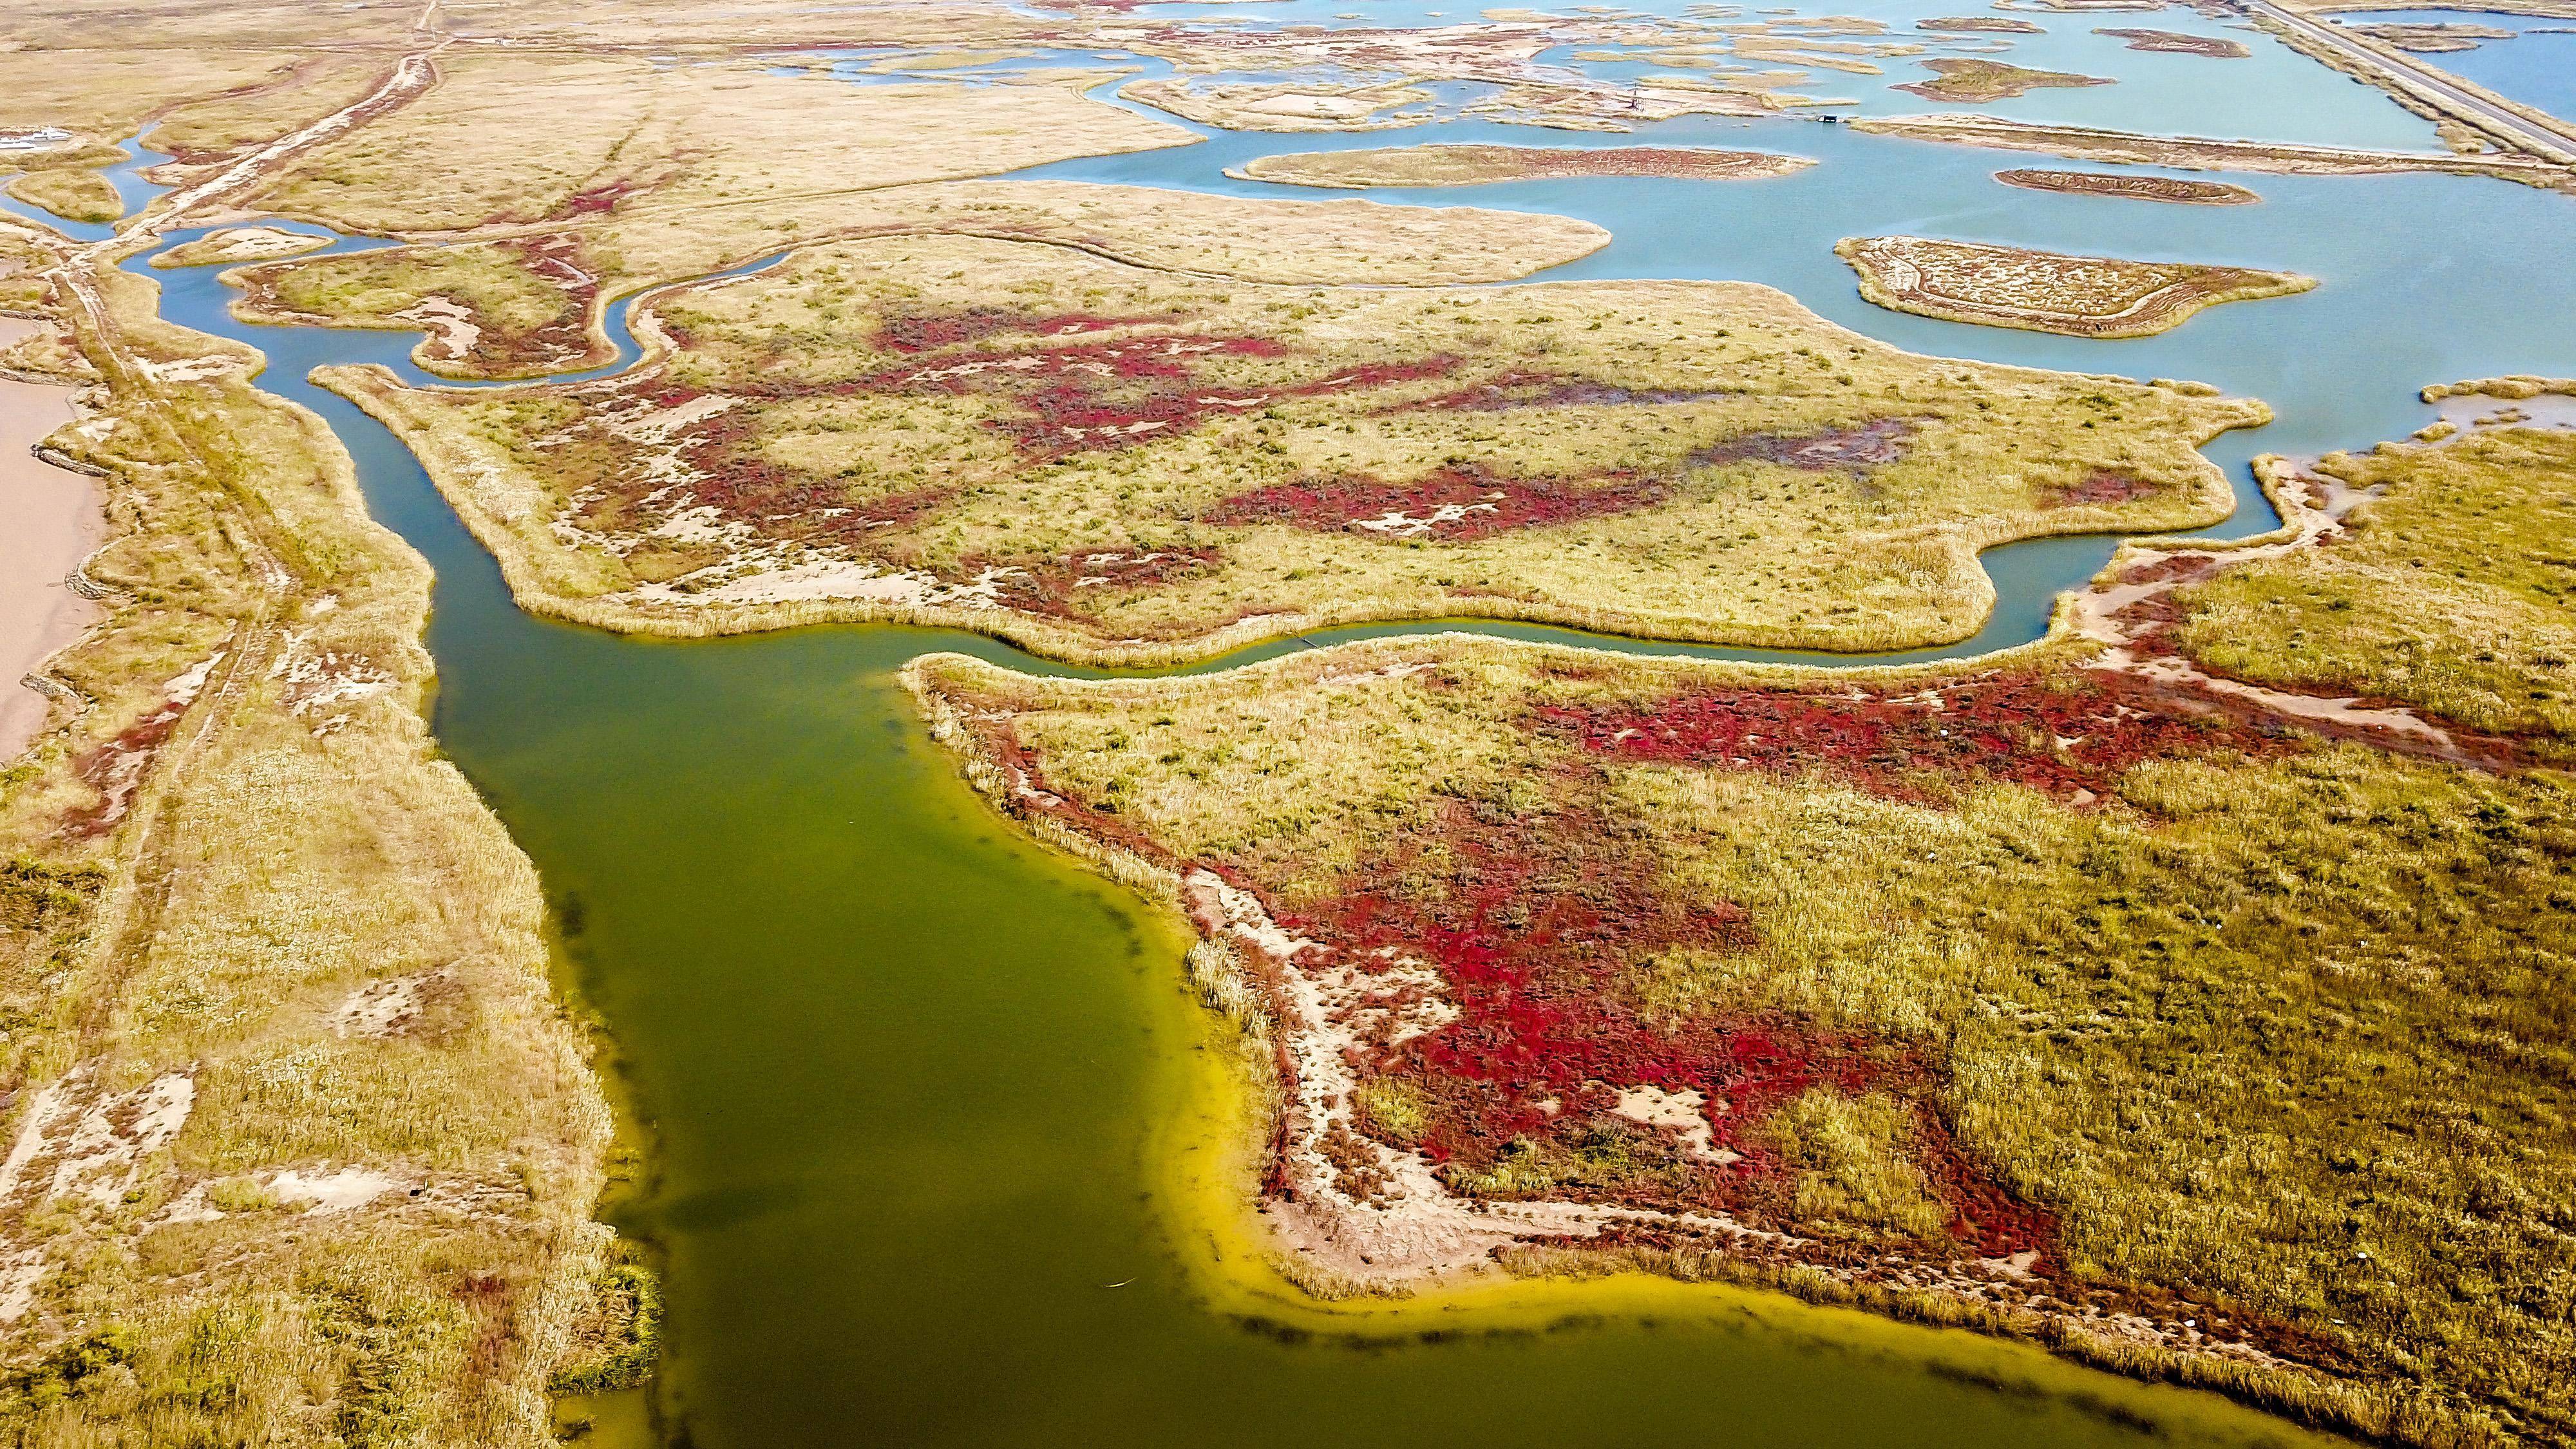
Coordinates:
[932,1119]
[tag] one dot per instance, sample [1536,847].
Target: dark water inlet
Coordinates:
[922,1093]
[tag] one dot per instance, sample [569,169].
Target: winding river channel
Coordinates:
[931,1124]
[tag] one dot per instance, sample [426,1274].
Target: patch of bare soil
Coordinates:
[50,519]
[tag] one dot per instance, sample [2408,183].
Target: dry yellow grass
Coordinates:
[2278,1041]
[1698,460]
[70,193]
[533,303]
[2451,594]
[1285,105]
[509,137]
[105,92]
[296,960]
[1979,81]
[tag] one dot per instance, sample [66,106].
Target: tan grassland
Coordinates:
[100,33]
[1283,105]
[1979,81]
[512,137]
[1452,165]
[2194,153]
[529,304]
[1699,460]
[2258,1033]
[2520,387]
[105,93]
[1996,286]
[2451,594]
[242,1202]
[252,114]
[70,193]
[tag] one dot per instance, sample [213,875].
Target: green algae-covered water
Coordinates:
[936,1143]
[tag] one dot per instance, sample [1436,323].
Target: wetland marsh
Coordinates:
[935,1149]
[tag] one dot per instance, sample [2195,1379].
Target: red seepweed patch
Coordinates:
[1535,927]
[2105,485]
[1450,504]
[1524,388]
[1087,396]
[1054,586]
[2072,740]
[1872,444]
[910,332]
[599,199]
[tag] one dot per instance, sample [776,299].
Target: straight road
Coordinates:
[2521,130]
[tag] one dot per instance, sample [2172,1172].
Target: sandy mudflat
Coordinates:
[50,519]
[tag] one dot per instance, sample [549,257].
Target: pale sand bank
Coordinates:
[50,519]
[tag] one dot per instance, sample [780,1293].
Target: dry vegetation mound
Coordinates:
[70,193]
[2136,188]
[239,244]
[509,138]
[1978,81]
[1111,462]
[1999,286]
[2455,591]
[2174,42]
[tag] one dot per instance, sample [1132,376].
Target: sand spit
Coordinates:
[50,519]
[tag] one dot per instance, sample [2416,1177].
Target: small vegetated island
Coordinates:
[2172,189]
[1981,25]
[1477,165]
[1978,81]
[70,192]
[2008,994]
[1997,286]
[1112,462]
[2175,42]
